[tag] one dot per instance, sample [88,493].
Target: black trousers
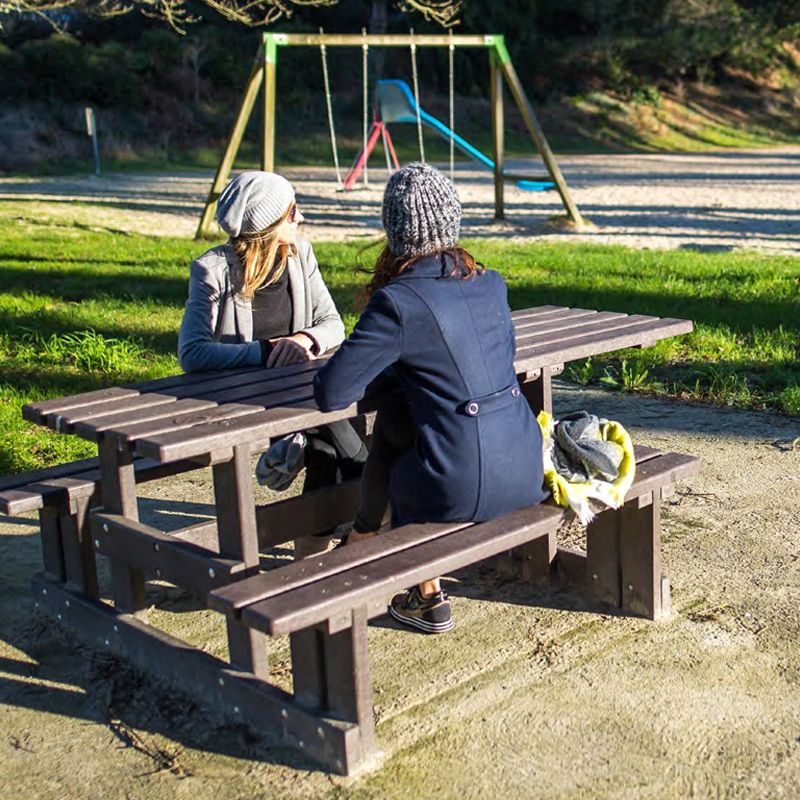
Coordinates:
[335,453]
[394,433]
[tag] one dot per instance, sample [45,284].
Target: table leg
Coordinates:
[640,559]
[118,488]
[79,558]
[331,674]
[52,551]
[538,390]
[238,538]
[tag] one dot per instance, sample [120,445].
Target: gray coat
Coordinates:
[217,327]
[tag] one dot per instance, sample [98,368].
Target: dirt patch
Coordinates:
[533,695]
[712,201]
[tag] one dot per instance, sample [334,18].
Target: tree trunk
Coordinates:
[378,20]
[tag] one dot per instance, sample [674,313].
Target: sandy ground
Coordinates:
[534,695]
[714,201]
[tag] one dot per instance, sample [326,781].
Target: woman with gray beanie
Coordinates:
[461,444]
[259,300]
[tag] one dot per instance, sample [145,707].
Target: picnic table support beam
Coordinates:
[52,550]
[537,386]
[349,685]
[238,539]
[643,590]
[119,497]
[79,558]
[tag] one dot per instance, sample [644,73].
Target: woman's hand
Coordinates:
[290,350]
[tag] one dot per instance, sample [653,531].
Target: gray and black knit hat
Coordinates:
[421,211]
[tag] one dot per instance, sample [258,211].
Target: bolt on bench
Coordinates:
[222,419]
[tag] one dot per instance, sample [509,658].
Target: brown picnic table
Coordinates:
[221,419]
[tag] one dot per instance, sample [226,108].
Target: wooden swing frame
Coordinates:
[265,71]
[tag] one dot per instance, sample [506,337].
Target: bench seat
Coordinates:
[326,588]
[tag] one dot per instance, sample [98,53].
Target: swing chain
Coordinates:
[416,96]
[324,56]
[365,91]
[451,50]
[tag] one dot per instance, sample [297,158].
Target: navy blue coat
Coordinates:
[479,449]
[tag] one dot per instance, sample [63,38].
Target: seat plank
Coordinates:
[316,602]
[322,599]
[310,570]
[232,598]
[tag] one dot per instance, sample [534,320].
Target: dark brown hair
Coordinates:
[388,266]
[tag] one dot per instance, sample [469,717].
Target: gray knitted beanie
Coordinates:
[252,201]
[421,211]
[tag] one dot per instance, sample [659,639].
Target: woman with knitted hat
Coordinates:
[462,445]
[259,299]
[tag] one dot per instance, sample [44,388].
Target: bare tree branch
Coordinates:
[253,13]
[445,12]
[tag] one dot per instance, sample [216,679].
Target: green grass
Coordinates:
[82,309]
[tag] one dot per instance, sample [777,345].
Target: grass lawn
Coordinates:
[80,310]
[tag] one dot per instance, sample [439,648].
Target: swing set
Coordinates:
[395,102]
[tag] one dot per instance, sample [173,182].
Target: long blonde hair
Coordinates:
[262,256]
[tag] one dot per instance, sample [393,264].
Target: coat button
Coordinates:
[515,392]
[472,409]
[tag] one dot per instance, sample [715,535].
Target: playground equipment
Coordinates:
[501,69]
[396,103]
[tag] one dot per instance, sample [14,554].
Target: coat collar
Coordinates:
[429,267]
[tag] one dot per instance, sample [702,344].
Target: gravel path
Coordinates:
[711,201]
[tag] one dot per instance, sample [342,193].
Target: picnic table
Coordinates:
[221,419]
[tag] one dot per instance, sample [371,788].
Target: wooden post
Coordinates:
[270,72]
[79,558]
[118,484]
[535,130]
[238,538]
[232,148]
[498,132]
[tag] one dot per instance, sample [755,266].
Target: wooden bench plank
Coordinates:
[333,569]
[316,602]
[231,598]
[22,479]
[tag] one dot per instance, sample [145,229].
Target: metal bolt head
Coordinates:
[66,603]
[156,546]
[236,709]
[116,629]
[107,642]
[284,713]
[211,572]
[339,764]
[301,744]
[97,544]
[594,576]
[105,527]
[44,591]
[630,587]
[222,681]
[158,572]
[58,616]
[320,733]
